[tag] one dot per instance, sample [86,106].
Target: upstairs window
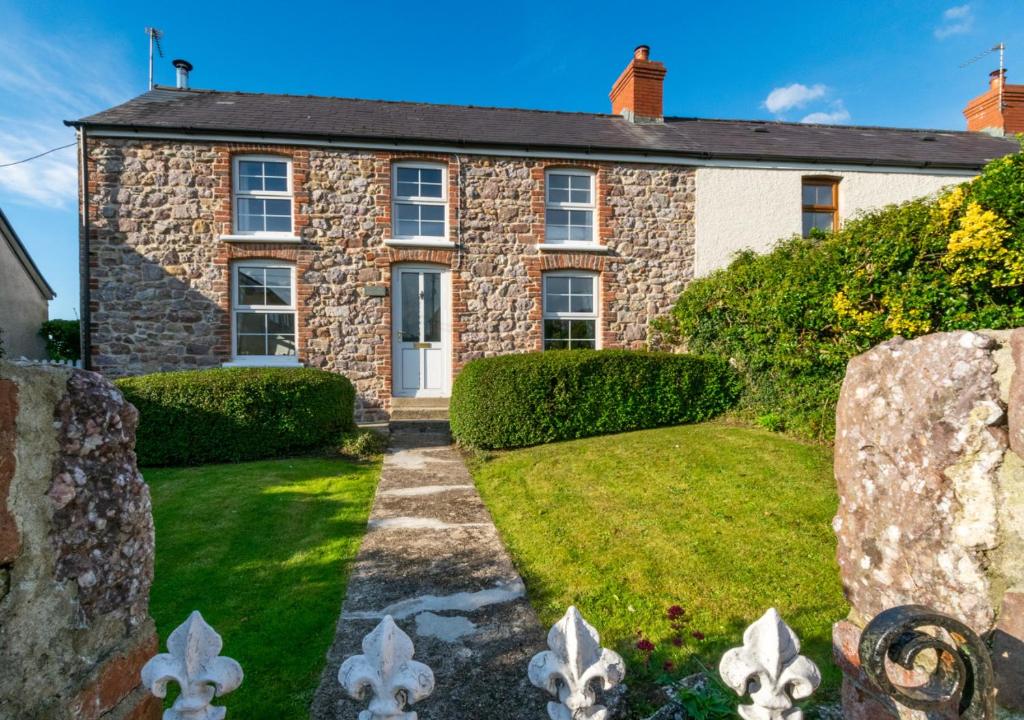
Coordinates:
[569,206]
[570,310]
[264,315]
[820,205]
[420,201]
[263,196]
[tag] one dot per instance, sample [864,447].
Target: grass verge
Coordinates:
[262,550]
[721,521]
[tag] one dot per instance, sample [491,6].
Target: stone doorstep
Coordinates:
[431,403]
[407,434]
[404,409]
[404,415]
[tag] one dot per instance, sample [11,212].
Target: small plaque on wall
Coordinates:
[374,290]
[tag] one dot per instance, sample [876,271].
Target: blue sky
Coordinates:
[863,62]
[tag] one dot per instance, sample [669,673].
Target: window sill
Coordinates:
[573,247]
[262,362]
[261,238]
[419,243]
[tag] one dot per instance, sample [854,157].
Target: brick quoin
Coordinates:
[117,678]
[10,541]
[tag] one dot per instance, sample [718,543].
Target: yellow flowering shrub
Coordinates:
[978,250]
[790,320]
[947,205]
[908,322]
[845,308]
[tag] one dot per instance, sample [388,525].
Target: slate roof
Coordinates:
[375,121]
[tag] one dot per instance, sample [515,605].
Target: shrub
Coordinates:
[532,398]
[62,339]
[790,320]
[231,414]
[363,444]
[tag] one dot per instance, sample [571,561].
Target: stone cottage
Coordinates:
[393,241]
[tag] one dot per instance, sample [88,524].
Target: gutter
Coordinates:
[84,245]
[591,153]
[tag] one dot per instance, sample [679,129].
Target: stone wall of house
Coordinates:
[928,460]
[160,272]
[76,550]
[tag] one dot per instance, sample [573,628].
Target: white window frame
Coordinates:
[546,314]
[236,308]
[397,200]
[237,193]
[591,206]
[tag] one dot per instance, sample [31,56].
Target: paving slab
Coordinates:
[433,560]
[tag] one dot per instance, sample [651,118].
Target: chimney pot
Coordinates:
[999,110]
[637,94]
[183,67]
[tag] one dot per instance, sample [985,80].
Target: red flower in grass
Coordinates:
[668,666]
[675,612]
[644,645]
[697,635]
[677,640]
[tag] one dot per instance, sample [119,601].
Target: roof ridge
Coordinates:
[795,123]
[208,91]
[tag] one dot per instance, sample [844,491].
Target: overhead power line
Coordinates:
[19,162]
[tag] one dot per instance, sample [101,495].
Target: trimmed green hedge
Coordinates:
[532,398]
[232,414]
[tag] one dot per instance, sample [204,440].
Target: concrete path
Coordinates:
[433,560]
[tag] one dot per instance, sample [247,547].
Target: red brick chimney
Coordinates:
[637,94]
[985,114]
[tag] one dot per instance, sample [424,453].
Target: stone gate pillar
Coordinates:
[928,461]
[76,550]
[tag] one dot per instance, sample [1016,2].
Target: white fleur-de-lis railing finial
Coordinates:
[387,670]
[771,669]
[572,667]
[192,660]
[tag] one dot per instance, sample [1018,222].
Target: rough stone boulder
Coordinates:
[76,550]
[931,495]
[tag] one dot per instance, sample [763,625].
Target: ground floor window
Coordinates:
[570,310]
[264,321]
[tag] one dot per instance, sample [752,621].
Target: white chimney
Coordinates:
[184,67]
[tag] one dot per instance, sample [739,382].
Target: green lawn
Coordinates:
[723,521]
[262,550]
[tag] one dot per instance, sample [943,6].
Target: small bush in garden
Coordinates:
[363,443]
[528,399]
[790,320]
[232,414]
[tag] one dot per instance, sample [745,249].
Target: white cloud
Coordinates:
[837,116]
[956,20]
[792,96]
[44,80]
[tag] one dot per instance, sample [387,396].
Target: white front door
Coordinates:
[420,305]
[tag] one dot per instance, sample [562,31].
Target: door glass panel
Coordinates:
[431,307]
[410,331]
